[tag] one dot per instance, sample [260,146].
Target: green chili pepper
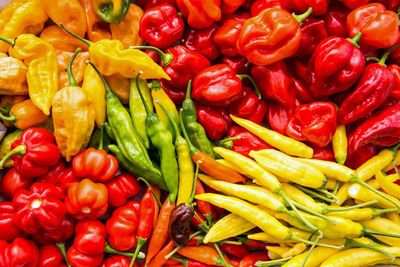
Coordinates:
[5,146]
[108,130]
[111,11]
[195,130]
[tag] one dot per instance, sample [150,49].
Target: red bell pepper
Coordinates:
[251,259]
[161,26]
[312,32]
[118,261]
[239,64]
[200,14]
[59,175]
[315,123]
[334,67]
[121,188]
[217,86]
[34,152]
[9,229]
[19,253]
[275,82]
[185,64]
[213,121]
[12,182]
[249,106]
[353,4]
[319,7]
[230,6]
[59,234]
[272,35]
[246,142]
[50,256]
[378,26]
[147,4]
[335,20]
[259,5]
[202,41]
[95,164]
[41,207]
[87,200]
[228,33]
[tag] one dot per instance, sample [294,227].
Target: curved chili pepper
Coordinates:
[335,21]
[202,14]
[59,175]
[312,32]
[204,254]
[213,121]
[121,188]
[260,5]
[251,259]
[160,259]
[161,26]
[59,234]
[50,256]
[378,26]
[202,41]
[239,251]
[205,208]
[246,142]
[12,182]
[20,252]
[9,229]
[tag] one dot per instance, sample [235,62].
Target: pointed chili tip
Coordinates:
[85,41]
[188,90]
[302,17]
[8,41]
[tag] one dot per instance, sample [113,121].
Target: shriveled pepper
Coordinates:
[7,224]
[213,121]
[12,182]
[246,142]
[24,115]
[20,252]
[122,188]
[13,76]
[202,41]
[111,11]
[200,15]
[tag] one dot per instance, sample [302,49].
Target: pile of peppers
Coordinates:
[199,133]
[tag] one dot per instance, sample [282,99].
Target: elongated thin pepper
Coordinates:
[387,183]
[361,214]
[204,254]
[285,252]
[384,200]
[160,258]
[339,144]
[317,256]
[374,164]
[384,225]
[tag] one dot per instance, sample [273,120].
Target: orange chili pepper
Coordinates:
[24,115]
[204,254]
[159,259]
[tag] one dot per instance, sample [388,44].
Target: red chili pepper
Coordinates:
[12,182]
[353,4]
[9,229]
[34,152]
[121,188]
[40,207]
[59,234]
[275,82]
[196,240]
[228,33]
[236,250]
[87,200]
[246,142]
[312,32]
[121,228]
[118,261]
[20,252]
[217,86]
[95,164]
[200,14]
[198,220]
[335,20]
[251,259]
[205,208]
[378,26]
[319,7]
[272,35]
[253,244]
[334,67]
[299,68]
[185,64]
[239,64]
[161,26]
[202,41]
[323,153]
[175,95]
[395,70]
[50,256]
[147,4]
[230,6]
[356,158]
[315,123]
[260,5]
[213,121]
[60,175]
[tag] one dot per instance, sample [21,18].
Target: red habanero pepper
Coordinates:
[12,182]
[147,4]
[391,4]
[19,253]
[205,208]
[312,32]
[381,129]
[319,7]
[87,200]
[246,142]
[41,207]
[251,259]
[9,230]
[227,34]
[239,64]
[118,261]
[217,86]
[236,250]
[50,256]
[335,66]
[34,152]
[335,21]
[202,41]
[176,96]
[272,35]
[59,234]
[200,14]
[278,116]
[213,121]
[230,6]
[161,26]
[121,188]
[395,70]
[315,123]
[378,26]
[353,4]
[260,5]
[323,153]
[303,92]
[121,228]
[59,175]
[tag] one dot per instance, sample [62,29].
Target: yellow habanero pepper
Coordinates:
[13,77]
[21,16]
[78,67]
[60,40]
[316,257]
[73,116]
[339,144]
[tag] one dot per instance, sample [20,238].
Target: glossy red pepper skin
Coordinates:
[259,5]
[121,188]
[372,90]
[202,41]
[176,96]
[263,44]
[118,261]
[206,209]
[41,152]
[12,182]
[378,26]
[50,256]
[334,67]
[147,4]
[395,70]
[216,86]
[251,259]
[381,129]
[184,65]
[335,21]
[95,164]
[59,234]
[275,82]
[303,92]
[353,4]
[146,215]
[278,116]
[200,14]
[161,26]
[230,6]
[41,207]
[312,32]
[246,142]
[323,153]
[213,121]
[228,33]
[239,64]
[239,251]
[320,7]
[19,253]
[315,123]
[60,175]
[9,229]
[393,5]
[356,158]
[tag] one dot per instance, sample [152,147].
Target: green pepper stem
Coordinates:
[386,54]
[221,256]
[328,194]
[146,107]
[61,248]
[184,261]
[140,243]
[379,193]
[308,242]
[375,59]
[109,93]
[10,118]
[72,80]
[302,17]
[272,262]
[354,41]
[379,212]
[6,108]
[19,150]
[313,194]
[230,242]
[151,189]
[8,41]
[256,89]
[310,211]
[352,243]
[166,58]
[368,231]
[101,140]
[362,205]
[108,249]
[310,250]
[83,40]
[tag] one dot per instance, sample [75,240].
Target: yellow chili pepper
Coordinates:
[387,183]
[394,217]
[13,77]
[94,88]
[78,68]
[265,237]
[302,198]
[60,40]
[361,193]
[331,184]
[339,144]
[342,194]
[24,115]
[289,168]
[229,226]
[120,86]
[360,214]
[395,162]
[21,16]
[284,251]
[231,165]
[384,225]
[127,30]
[369,168]
[316,257]
[275,139]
